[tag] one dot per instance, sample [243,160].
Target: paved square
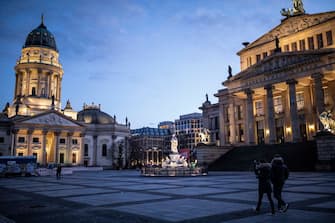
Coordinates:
[125,196]
[183,209]
[114,198]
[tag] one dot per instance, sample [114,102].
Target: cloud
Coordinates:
[202,16]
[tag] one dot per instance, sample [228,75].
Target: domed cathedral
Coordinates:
[34,123]
[38,75]
[287,80]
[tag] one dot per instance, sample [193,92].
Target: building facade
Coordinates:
[190,131]
[35,124]
[149,145]
[287,79]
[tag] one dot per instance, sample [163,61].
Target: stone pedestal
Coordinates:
[325,142]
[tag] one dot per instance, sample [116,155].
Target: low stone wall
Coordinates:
[325,142]
[173,172]
[208,154]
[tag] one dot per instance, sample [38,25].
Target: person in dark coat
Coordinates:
[263,173]
[279,174]
[58,171]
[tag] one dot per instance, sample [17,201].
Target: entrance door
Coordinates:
[303,132]
[61,158]
[280,134]
[260,132]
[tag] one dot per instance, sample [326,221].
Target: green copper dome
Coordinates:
[41,37]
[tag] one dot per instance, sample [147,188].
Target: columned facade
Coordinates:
[287,80]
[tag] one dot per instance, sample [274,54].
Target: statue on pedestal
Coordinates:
[174,144]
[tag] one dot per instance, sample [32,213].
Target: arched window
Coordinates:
[104,150]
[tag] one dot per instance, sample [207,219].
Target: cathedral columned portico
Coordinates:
[50,136]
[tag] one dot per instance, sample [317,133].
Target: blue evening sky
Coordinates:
[148,60]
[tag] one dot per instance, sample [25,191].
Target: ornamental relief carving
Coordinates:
[293,25]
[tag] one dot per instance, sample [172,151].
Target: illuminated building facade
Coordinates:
[287,79]
[35,124]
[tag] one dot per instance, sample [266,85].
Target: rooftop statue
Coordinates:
[327,121]
[298,9]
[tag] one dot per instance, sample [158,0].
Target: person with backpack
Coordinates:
[263,173]
[279,174]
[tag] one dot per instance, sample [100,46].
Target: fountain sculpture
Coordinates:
[174,165]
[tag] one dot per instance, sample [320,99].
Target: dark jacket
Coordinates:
[279,171]
[263,173]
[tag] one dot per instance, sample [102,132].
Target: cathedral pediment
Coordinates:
[50,118]
[292,25]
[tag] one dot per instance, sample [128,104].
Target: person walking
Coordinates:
[279,174]
[58,171]
[263,173]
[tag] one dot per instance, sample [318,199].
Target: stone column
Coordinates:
[30,132]
[82,148]
[95,150]
[14,140]
[222,124]
[293,110]
[16,85]
[250,117]
[232,123]
[57,134]
[270,114]
[49,84]
[69,147]
[319,97]
[28,82]
[44,148]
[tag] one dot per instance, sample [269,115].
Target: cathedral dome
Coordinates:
[41,37]
[94,116]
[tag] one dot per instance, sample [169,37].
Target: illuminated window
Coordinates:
[104,150]
[75,141]
[258,58]
[287,48]
[36,140]
[227,114]
[294,46]
[265,54]
[278,105]
[302,45]
[310,43]
[329,36]
[259,108]
[238,112]
[300,100]
[21,140]
[320,40]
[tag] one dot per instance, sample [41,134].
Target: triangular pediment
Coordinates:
[52,119]
[292,25]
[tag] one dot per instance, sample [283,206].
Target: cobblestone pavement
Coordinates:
[124,196]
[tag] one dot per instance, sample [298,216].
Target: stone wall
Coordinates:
[326,150]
